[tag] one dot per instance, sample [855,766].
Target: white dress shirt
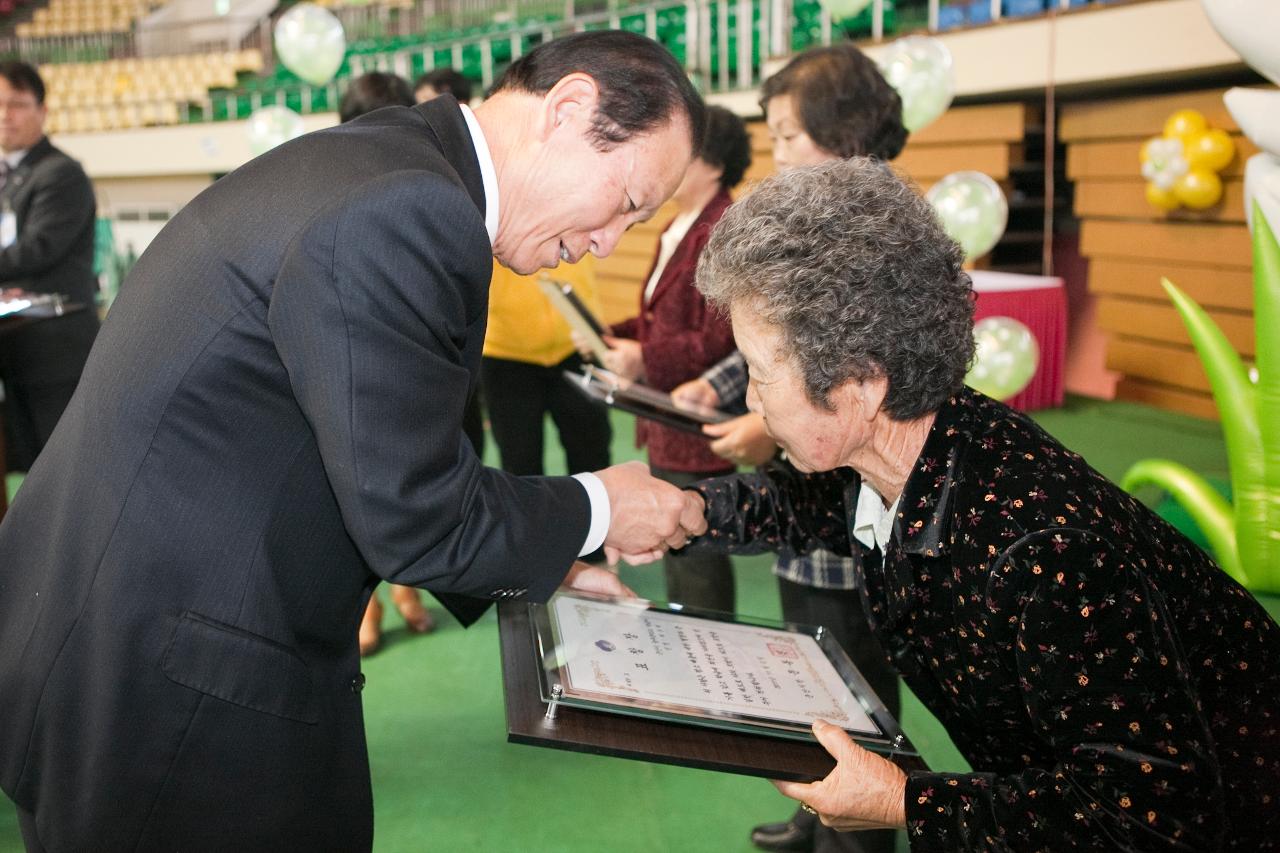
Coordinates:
[596,491]
[667,247]
[872,523]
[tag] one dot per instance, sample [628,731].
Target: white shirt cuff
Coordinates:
[599,498]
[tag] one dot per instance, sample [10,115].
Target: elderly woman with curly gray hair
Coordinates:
[1111,688]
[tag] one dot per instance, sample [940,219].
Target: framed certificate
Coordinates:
[578,316]
[653,682]
[642,401]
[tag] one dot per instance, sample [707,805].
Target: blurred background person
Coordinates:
[676,336]
[441,81]
[826,104]
[367,93]
[527,348]
[47,214]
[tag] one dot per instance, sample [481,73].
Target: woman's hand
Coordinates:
[695,393]
[864,791]
[624,357]
[743,440]
[585,577]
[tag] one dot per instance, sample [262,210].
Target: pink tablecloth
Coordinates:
[1040,303]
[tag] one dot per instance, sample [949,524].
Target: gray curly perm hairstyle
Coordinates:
[854,268]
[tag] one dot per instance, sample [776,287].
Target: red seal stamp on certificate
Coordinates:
[783,650]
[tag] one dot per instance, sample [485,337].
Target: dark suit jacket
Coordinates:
[269,424]
[52,199]
[1110,686]
[680,336]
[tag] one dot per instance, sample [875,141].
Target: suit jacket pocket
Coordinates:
[237,666]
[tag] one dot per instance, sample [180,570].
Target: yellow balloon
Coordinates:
[1162,199]
[1211,150]
[1184,123]
[1198,189]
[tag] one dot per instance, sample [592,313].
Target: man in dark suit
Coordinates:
[270,424]
[46,246]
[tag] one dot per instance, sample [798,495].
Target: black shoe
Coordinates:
[783,837]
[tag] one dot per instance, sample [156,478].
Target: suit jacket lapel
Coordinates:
[444,117]
[18,177]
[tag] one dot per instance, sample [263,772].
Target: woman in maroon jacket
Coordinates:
[677,336]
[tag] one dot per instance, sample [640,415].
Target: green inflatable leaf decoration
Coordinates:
[1245,536]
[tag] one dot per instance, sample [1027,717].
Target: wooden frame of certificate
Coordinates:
[547,704]
[642,401]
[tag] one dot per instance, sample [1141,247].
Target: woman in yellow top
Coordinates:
[526,351]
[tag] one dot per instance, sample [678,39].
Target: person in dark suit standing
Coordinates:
[270,424]
[46,246]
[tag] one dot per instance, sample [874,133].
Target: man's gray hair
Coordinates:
[852,265]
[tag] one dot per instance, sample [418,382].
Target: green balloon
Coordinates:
[972,210]
[310,43]
[919,68]
[1005,359]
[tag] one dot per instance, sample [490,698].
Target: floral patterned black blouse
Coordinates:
[1110,686]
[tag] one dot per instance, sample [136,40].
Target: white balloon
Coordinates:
[271,126]
[972,209]
[1257,111]
[843,10]
[1252,28]
[310,42]
[920,69]
[1262,185]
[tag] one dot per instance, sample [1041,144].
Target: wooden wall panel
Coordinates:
[1139,117]
[1167,397]
[1212,287]
[1210,244]
[1159,322]
[1165,363]
[1121,159]
[928,163]
[1126,199]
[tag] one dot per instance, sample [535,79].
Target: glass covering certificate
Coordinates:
[705,667]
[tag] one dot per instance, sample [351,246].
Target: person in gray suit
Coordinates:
[46,246]
[270,424]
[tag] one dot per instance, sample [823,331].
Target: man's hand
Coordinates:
[864,791]
[695,393]
[743,440]
[625,357]
[647,516]
[585,577]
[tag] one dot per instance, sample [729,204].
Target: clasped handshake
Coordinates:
[646,518]
[646,515]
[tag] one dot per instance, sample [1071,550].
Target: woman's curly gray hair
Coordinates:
[852,265]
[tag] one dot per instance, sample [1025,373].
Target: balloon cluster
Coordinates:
[972,210]
[311,43]
[1005,359]
[1182,165]
[920,69]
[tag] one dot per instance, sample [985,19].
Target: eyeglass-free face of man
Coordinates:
[21,118]
[561,195]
